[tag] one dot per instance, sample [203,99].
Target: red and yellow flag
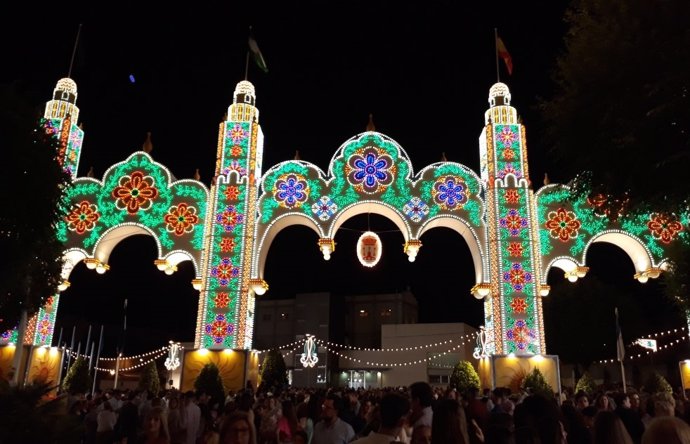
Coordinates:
[504,54]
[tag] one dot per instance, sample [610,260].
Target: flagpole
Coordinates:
[246,67]
[498,77]
[620,351]
[74,52]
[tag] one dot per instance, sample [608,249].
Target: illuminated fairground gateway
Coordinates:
[514,234]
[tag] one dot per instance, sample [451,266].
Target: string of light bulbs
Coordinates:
[641,355]
[282,347]
[662,333]
[471,336]
[393,364]
[75,355]
[132,367]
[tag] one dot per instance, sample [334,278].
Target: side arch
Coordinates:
[633,246]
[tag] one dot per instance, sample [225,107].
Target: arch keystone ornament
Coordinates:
[515,235]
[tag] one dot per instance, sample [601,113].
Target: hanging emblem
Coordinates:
[369,249]
[173,359]
[480,350]
[310,356]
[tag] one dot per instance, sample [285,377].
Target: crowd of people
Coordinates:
[418,414]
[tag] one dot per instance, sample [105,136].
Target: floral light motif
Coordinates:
[519,305]
[509,169]
[520,334]
[508,154]
[181,219]
[664,227]
[507,136]
[515,249]
[135,192]
[236,167]
[227,245]
[229,218]
[512,196]
[83,217]
[219,329]
[370,170]
[324,208]
[45,327]
[290,190]
[225,271]
[562,224]
[517,277]
[416,209]
[513,222]
[236,150]
[221,300]
[232,192]
[237,133]
[450,192]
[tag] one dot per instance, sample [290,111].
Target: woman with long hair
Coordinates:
[238,429]
[449,425]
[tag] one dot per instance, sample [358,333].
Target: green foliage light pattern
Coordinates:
[592,224]
[396,195]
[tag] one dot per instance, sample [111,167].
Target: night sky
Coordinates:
[423,72]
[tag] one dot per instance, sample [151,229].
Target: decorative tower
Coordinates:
[513,308]
[61,116]
[226,305]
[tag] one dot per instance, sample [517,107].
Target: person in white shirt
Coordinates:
[393,409]
[106,420]
[192,417]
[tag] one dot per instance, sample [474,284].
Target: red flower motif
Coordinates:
[232,192]
[83,217]
[508,154]
[227,245]
[512,196]
[135,192]
[49,301]
[518,305]
[562,224]
[664,227]
[515,249]
[236,150]
[181,219]
[221,300]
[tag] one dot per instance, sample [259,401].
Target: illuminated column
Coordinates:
[513,308]
[226,303]
[61,116]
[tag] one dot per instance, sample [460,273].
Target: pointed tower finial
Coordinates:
[370,125]
[443,157]
[546,179]
[297,157]
[90,173]
[197,176]
[148,145]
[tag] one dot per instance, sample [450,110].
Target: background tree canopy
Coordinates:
[619,119]
[32,187]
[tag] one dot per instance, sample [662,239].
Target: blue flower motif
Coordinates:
[291,190]
[370,170]
[324,208]
[450,192]
[415,209]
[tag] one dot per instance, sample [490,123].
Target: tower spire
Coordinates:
[74,52]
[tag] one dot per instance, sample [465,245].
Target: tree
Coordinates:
[210,382]
[464,377]
[273,372]
[657,384]
[149,379]
[619,118]
[585,384]
[36,181]
[535,383]
[77,379]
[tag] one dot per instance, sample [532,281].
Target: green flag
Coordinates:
[256,54]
